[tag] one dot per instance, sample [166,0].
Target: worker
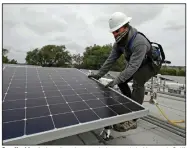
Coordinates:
[143,61]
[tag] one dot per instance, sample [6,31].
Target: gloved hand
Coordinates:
[95,76]
[110,84]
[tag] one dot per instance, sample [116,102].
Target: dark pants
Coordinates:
[143,74]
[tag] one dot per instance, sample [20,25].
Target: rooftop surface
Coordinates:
[146,133]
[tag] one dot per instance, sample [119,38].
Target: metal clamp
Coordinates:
[106,133]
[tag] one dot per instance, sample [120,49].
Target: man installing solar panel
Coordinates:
[143,60]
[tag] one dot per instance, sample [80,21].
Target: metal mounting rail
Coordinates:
[165,125]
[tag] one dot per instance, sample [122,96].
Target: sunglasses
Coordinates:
[119,31]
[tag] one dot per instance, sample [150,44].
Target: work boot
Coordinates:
[125,126]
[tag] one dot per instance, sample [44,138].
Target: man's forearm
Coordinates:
[134,64]
[114,55]
[105,68]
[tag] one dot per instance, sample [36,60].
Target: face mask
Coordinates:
[120,33]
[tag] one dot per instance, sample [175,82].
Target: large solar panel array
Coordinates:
[37,100]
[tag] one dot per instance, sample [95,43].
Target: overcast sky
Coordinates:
[76,26]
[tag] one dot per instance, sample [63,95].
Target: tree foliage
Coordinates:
[33,57]
[49,55]
[95,56]
[5,57]
[77,60]
[12,61]
[5,51]
[181,73]
[172,71]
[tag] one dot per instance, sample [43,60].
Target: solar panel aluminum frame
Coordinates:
[54,134]
[72,130]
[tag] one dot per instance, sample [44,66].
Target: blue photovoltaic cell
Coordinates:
[76,106]
[104,112]
[59,108]
[13,104]
[36,102]
[13,129]
[95,103]
[55,100]
[13,115]
[63,120]
[86,116]
[42,99]
[37,112]
[37,125]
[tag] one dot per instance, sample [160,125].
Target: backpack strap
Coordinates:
[131,40]
[129,43]
[151,43]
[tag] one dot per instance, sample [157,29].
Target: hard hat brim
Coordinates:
[117,27]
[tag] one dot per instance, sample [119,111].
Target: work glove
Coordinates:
[95,76]
[110,84]
[114,82]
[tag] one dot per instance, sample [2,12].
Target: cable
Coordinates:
[171,107]
[168,107]
[173,122]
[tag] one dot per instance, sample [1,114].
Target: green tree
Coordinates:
[13,61]
[33,58]
[172,71]
[5,58]
[49,55]
[77,60]
[181,73]
[95,56]
[5,51]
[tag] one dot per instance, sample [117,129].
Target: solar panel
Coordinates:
[42,104]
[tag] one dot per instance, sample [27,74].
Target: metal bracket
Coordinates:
[106,133]
[153,93]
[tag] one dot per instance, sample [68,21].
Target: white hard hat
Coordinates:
[117,20]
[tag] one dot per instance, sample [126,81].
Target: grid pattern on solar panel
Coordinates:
[42,99]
